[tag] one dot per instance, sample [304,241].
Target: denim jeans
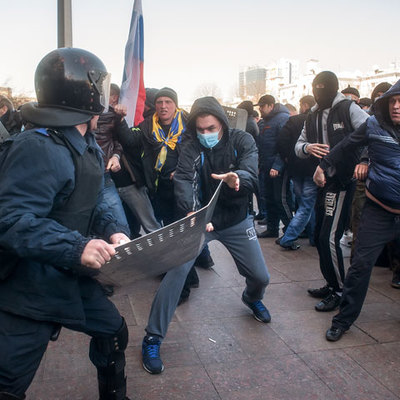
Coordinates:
[113,200]
[306,194]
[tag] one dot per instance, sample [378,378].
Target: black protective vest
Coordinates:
[338,124]
[338,127]
[77,212]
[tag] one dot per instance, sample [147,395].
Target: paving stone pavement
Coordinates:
[216,350]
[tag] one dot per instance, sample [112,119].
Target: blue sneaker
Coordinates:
[151,355]
[260,312]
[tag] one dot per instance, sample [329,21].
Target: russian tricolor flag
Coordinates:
[133,93]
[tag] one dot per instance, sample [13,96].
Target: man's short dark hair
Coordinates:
[351,90]
[246,105]
[6,102]
[381,87]
[266,99]
[309,100]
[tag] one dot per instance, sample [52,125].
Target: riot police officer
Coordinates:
[55,231]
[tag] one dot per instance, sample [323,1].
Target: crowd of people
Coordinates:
[76,181]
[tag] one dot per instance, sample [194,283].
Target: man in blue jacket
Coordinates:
[51,180]
[274,117]
[380,219]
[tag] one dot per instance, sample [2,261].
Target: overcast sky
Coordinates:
[191,43]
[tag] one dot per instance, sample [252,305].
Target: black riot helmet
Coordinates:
[71,86]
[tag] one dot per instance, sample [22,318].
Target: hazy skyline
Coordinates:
[189,44]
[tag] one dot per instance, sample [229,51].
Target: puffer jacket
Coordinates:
[270,127]
[383,140]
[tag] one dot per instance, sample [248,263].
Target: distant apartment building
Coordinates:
[252,82]
[256,81]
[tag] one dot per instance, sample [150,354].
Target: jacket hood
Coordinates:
[381,106]
[278,109]
[207,105]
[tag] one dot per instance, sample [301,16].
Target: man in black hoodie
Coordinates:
[380,218]
[213,152]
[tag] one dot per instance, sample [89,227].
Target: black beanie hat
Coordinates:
[167,92]
[325,96]
[150,96]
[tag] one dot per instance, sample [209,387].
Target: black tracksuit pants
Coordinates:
[377,227]
[332,211]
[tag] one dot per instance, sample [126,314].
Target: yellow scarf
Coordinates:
[170,140]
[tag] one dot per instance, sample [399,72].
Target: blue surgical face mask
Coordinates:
[208,140]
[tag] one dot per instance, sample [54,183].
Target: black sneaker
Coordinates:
[329,303]
[260,312]
[290,245]
[396,280]
[151,355]
[320,293]
[334,333]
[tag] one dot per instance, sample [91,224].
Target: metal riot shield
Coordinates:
[161,250]
[237,117]
[3,133]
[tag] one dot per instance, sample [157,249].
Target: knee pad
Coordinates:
[114,343]
[111,378]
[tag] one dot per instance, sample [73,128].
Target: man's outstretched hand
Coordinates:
[230,178]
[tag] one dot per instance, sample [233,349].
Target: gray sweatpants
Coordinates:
[242,243]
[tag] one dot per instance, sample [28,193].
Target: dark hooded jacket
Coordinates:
[236,151]
[270,127]
[140,141]
[383,140]
[287,138]
[12,121]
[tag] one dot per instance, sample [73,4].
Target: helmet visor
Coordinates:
[101,81]
[105,92]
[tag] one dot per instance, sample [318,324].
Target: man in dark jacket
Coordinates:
[251,124]
[159,138]
[112,152]
[10,118]
[301,172]
[274,117]
[213,152]
[380,219]
[124,171]
[332,119]
[51,180]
